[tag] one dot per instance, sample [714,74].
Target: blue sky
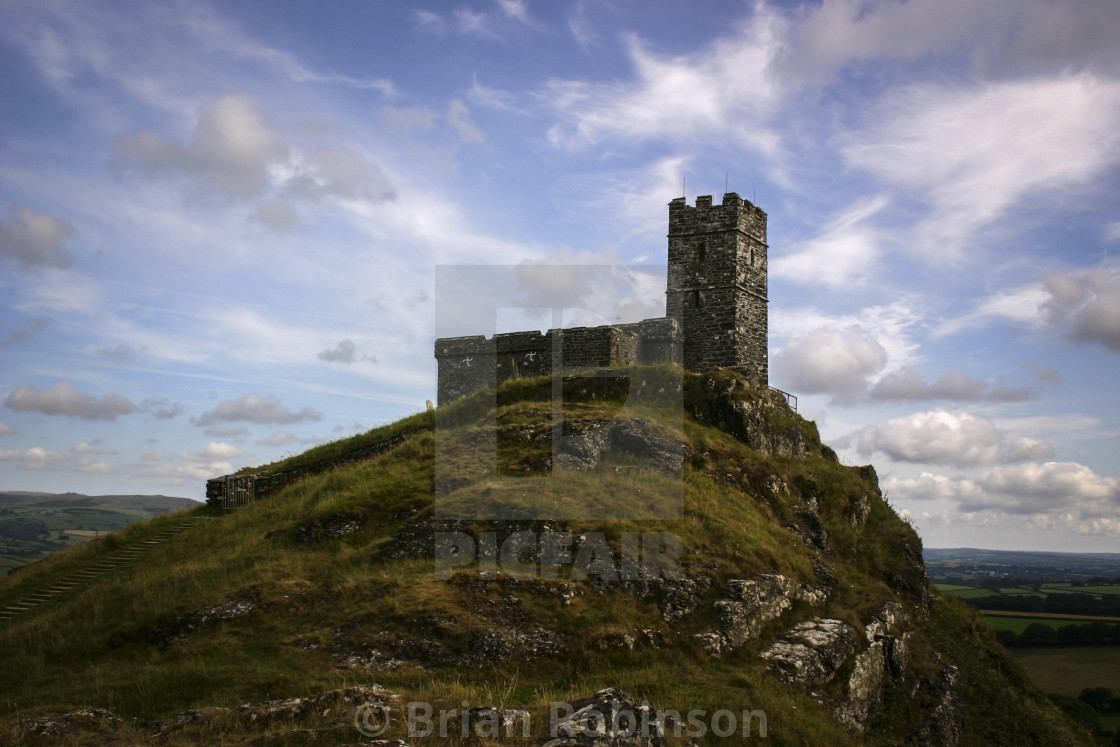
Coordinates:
[219,224]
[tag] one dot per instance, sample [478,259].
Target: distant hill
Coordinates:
[34,525]
[972,564]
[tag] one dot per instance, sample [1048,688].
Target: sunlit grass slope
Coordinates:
[119,642]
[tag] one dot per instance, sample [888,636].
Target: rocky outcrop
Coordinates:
[945,726]
[759,417]
[609,719]
[811,651]
[748,604]
[340,703]
[175,630]
[327,528]
[583,445]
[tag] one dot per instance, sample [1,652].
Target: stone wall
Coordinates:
[715,312]
[467,364]
[717,282]
[236,491]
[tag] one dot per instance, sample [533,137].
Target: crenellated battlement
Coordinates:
[715,312]
[475,362]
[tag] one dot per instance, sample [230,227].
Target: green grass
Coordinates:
[1067,671]
[101,645]
[1019,624]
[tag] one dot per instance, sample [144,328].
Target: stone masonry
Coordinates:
[715,312]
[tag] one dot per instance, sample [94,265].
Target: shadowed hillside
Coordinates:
[777,586]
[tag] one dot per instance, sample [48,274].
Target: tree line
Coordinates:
[1074,634]
[1070,603]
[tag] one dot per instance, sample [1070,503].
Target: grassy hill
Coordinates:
[330,585]
[34,525]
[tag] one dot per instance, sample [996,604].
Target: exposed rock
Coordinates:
[809,527]
[93,717]
[746,605]
[761,419]
[341,702]
[609,719]
[43,727]
[178,628]
[859,511]
[584,444]
[327,528]
[865,686]
[945,726]
[497,722]
[811,651]
[417,539]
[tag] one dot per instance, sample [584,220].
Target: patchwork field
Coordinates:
[1067,671]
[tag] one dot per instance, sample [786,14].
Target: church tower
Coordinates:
[716,285]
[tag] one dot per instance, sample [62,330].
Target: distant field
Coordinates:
[1060,617]
[974,591]
[1067,671]
[1114,589]
[1019,624]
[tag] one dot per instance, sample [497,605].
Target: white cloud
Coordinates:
[214,451]
[461,21]
[459,117]
[890,325]
[161,408]
[1085,304]
[64,399]
[225,431]
[1088,304]
[37,458]
[724,89]
[28,330]
[1058,482]
[1056,489]
[843,254]
[215,33]
[6,429]
[343,352]
[838,33]
[971,154]
[280,438]
[276,214]
[339,173]
[34,239]
[408,119]
[191,470]
[931,487]
[254,408]
[83,448]
[515,9]
[232,149]
[941,437]
[833,361]
[907,384]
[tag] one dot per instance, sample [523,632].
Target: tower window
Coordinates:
[697,299]
[702,251]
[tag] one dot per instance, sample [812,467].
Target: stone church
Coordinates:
[715,312]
